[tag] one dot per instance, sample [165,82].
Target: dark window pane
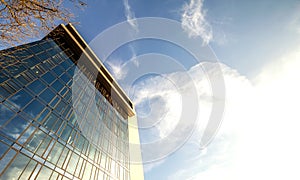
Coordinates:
[62,92]
[71,71]
[15,85]
[29,75]
[37,86]
[57,85]
[16,69]
[34,108]
[54,102]
[65,78]
[8,88]
[46,45]
[48,77]
[2,77]
[64,56]
[44,66]
[43,56]
[43,115]
[51,52]
[3,92]
[58,71]
[30,62]
[47,95]
[65,65]
[35,49]
[22,80]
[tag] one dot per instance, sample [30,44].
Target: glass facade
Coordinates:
[46,133]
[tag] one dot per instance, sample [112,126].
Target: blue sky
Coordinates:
[257,45]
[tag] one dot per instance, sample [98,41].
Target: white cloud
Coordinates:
[272,136]
[115,67]
[258,138]
[130,15]
[261,127]
[193,21]
[167,110]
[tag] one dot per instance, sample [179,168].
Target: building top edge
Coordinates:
[83,48]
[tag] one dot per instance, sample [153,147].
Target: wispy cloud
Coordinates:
[115,67]
[193,21]
[130,15]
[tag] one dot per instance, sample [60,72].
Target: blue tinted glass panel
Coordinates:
[5,114]
[48,77]
[36,140]
[16,69]
[3,92]
[58,71]
[43,115]
[65,78]
[71,71]
[3,148]
[22,80]
[47,95]
[65,65]
[15,127]
[30,62]
[6,159]
[2,77]
[37,86]
[43,56]
[35,49]
[34,108]
[26,134]
[66,133]
[57,85]
[20,99]
[50,121]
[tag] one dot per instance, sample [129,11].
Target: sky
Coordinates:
[244,55]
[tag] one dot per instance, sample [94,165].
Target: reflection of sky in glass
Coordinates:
[15,127]
[5,160]
[5,114]
[16,167]
[20,99]
[38,120]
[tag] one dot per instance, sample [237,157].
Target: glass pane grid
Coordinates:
[49,140]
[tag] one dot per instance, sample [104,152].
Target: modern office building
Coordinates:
[62,115]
